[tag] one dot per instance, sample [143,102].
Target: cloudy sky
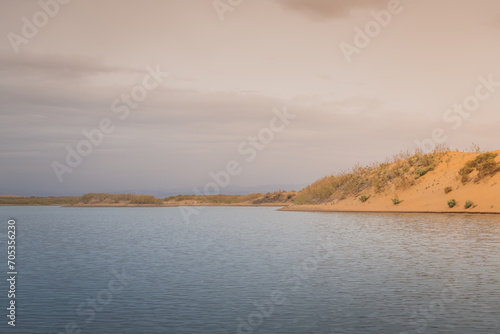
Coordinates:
[360,89]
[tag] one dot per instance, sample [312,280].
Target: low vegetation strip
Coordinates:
[106,199]
[103,198]
[279,196]
[33,200]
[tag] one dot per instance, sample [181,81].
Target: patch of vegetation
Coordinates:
[484,164]
[34,200]
[452,203]
[398,173]
[276,197]
[468,204]
[421,172]
[214,199]
[448,190]
[467,169]
[340,186]
[396,201]
[256,198]
[104,198]
[364,198]
[424,164]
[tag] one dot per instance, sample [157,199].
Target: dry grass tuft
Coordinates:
[485,165]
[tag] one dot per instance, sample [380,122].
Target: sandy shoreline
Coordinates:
[311,208]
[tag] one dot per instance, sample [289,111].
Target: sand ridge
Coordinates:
[428,193]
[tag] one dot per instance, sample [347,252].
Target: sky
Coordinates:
[251,95]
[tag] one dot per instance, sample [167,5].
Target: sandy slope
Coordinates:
[428,195]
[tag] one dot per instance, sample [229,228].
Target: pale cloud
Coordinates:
[54,65]
[327,9]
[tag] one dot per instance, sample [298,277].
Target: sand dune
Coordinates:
[427,194]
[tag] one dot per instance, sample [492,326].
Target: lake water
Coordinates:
[250,270]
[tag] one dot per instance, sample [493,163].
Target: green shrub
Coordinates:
[424,164]
[452,203]
[396,201]
[421,172]
[468,204]
[364,198]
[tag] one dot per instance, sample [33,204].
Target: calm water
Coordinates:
[251,270]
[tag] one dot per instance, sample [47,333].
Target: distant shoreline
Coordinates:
[277,198]
[172,205]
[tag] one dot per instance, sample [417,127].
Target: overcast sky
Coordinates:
[230,66]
